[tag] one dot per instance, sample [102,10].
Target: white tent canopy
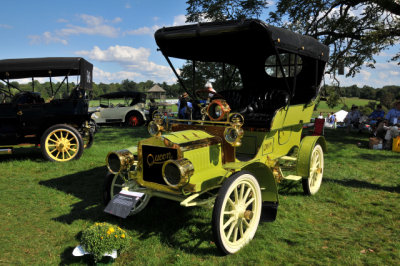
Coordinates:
[340,115]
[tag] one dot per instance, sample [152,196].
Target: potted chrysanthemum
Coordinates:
[102,239]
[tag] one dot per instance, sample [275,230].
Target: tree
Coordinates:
[221,10]
[222,76]
[356,30]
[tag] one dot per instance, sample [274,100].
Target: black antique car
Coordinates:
[59,126]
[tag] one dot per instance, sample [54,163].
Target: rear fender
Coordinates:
[304,155]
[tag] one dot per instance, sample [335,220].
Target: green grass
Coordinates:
[323,107]
[353,219]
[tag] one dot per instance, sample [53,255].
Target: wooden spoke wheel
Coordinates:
[61,143]
[312,183]
[237,212]
[113,185]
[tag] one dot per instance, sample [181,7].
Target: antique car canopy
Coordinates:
[47,67]
[234,41]
[249,44]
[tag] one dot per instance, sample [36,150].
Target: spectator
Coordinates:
[321,116]
[353,118]
[393,116]
[376,116]
[332,120]
[184,107]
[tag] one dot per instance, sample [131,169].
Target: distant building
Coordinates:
[156,92]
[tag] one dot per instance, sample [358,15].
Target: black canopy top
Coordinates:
[46,67]
[234,41]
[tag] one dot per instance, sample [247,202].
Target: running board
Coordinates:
[288,158]
[292,177]
[6,150]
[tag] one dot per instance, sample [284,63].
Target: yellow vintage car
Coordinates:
[241,140]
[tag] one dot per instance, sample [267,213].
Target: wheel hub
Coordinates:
[63,145]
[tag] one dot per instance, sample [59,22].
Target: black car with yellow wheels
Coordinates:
[59,125]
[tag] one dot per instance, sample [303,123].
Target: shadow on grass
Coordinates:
[23,153]
[362,184]
[185,228]
[109,133]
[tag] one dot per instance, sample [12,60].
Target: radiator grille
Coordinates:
[153,159]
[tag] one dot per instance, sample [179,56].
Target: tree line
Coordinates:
[63,91]
[386,95]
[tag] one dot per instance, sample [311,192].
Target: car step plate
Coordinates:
[122,204]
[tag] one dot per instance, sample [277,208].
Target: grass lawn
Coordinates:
[353,219]
[324,108]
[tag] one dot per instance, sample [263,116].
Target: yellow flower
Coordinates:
[111,229]
[108,232]
[102,237]
[116,236]
[123,236]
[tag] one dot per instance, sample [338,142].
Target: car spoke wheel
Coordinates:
[312,184]
[237,212]
[113,185]
[61,143]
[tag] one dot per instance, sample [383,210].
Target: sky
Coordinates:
[117,37]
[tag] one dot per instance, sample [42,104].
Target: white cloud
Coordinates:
[132,60]
[120,54]
[365,75]
[128,5]
[47,38]
[5,26]
[143,31]
[106,77]
[179,20]
[394,73]
[62,20]
[117,20]
[94,26]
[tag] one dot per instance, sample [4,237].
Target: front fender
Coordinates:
[265,179]
[304,155]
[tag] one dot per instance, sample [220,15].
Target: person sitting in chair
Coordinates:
[353,118]
[376,116]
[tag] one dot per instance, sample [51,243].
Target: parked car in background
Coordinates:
[59,126]
[126,107]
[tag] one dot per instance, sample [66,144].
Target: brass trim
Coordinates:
[186,170]
[126,160]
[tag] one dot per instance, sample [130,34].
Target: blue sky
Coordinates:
[117,37]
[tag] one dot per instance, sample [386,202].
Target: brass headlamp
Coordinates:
[218,110]
[118,161]
[156,126]
[233,134]
[176,173]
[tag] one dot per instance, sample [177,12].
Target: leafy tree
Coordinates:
[221,10]
[222,77]
[355,30]
[333,98]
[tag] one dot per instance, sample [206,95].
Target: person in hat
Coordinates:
[353,118]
